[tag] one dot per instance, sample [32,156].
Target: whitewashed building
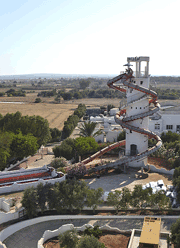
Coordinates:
[110,129]
[165,121]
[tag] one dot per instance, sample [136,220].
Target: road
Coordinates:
[29,236]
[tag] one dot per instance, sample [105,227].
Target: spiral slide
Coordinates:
[125,80]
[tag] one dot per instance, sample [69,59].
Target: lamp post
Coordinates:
[42,150]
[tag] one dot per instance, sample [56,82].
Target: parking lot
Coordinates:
[129,180]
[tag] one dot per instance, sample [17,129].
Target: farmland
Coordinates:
[56,114]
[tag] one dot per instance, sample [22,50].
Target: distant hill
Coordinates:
[51,75]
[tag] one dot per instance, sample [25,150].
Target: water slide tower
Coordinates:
[137,103]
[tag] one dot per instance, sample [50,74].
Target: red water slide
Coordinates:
[125,80]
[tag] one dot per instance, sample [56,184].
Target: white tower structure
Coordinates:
[138,103]
[134,115]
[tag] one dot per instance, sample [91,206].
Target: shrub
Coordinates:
[77,171]
[38,100]
[176,162]
[121,136]
[59,162]
[96,232]
[89,242]
[175,233]
[68,239]
[61,169]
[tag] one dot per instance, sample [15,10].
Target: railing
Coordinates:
[138,74]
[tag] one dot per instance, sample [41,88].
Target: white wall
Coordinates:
[113,111]
[166,119]
[51,234]
[5,217]
[4,205]
[20,187]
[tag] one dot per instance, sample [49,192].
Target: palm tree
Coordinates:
[87,129]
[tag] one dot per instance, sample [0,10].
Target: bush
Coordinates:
[61,169]
[96,232]
[121,136]
[55,134]
[38,100]
[77,171]
[175,234]
[176,163]
[90,242]
[66,149]
[68,239]
[59,162]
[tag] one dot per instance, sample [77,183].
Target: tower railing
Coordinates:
[138,74]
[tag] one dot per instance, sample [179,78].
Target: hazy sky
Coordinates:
[88,36]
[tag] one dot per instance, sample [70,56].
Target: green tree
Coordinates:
[89,242]
[170,137]
[5,142]
[125,198]
[66,149]
[84,83]
[29,201]
[87,129]
[175,234]
[59,162]
[85,145]
[38,100]
[95,231]
[36,125]
[70,195]
[110,106]
[23,145]
[176,181]
[140,197]
[39,127]
[55,134]
[121,136]
[68,239]
[176,163]
[160,200]
[42,191]
[114,200]
[94,198]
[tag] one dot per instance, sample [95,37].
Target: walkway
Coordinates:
[29,236]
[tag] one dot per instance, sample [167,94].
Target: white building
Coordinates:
[165,121]
[110,129]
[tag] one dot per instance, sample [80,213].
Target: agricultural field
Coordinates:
[56,114]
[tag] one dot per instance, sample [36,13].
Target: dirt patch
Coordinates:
[114,241]
[160,163]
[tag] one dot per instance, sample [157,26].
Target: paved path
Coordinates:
[29,236]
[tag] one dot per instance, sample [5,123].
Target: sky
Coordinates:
[88,36]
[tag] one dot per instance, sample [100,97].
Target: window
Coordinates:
[169,127]
[157,126]
[178,128]
[141,82]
